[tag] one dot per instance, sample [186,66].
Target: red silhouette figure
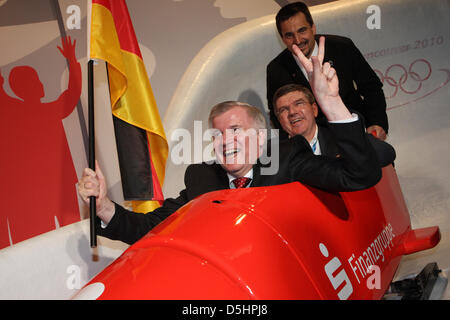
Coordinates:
[36,169]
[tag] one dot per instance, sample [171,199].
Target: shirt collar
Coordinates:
[315,141]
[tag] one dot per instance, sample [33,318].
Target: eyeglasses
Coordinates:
[284,110]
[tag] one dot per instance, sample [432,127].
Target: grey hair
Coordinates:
[252,111]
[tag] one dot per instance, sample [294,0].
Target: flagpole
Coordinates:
[92,199]
[62,31]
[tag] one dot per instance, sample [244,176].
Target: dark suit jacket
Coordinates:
[350,66]
[357,168]
[328,146]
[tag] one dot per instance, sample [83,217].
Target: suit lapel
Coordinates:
[256,175]
[327,147]
[326,57]
[295,72]
[222,181]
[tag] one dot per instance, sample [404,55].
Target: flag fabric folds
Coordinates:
[141,142]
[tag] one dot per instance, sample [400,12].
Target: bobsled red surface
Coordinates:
[281,242]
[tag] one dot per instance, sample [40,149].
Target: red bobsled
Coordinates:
[281,242]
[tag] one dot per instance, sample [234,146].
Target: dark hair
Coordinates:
[291,10]
[288,88]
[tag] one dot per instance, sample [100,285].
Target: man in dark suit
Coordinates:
[296,27]
[296,110]
[236,126]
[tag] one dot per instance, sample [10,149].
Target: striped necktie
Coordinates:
[313,147]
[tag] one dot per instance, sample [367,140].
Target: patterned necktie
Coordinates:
[241,182]
[313,147]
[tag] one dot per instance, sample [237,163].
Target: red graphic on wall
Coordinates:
[410,80]
[37,174]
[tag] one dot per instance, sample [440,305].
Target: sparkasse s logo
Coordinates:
[341,277]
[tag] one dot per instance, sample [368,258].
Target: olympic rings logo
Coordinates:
[406,76]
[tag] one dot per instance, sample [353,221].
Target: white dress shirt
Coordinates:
[314,143]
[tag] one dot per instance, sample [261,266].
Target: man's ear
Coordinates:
[315,109]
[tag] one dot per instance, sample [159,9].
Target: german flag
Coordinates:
[141,141]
